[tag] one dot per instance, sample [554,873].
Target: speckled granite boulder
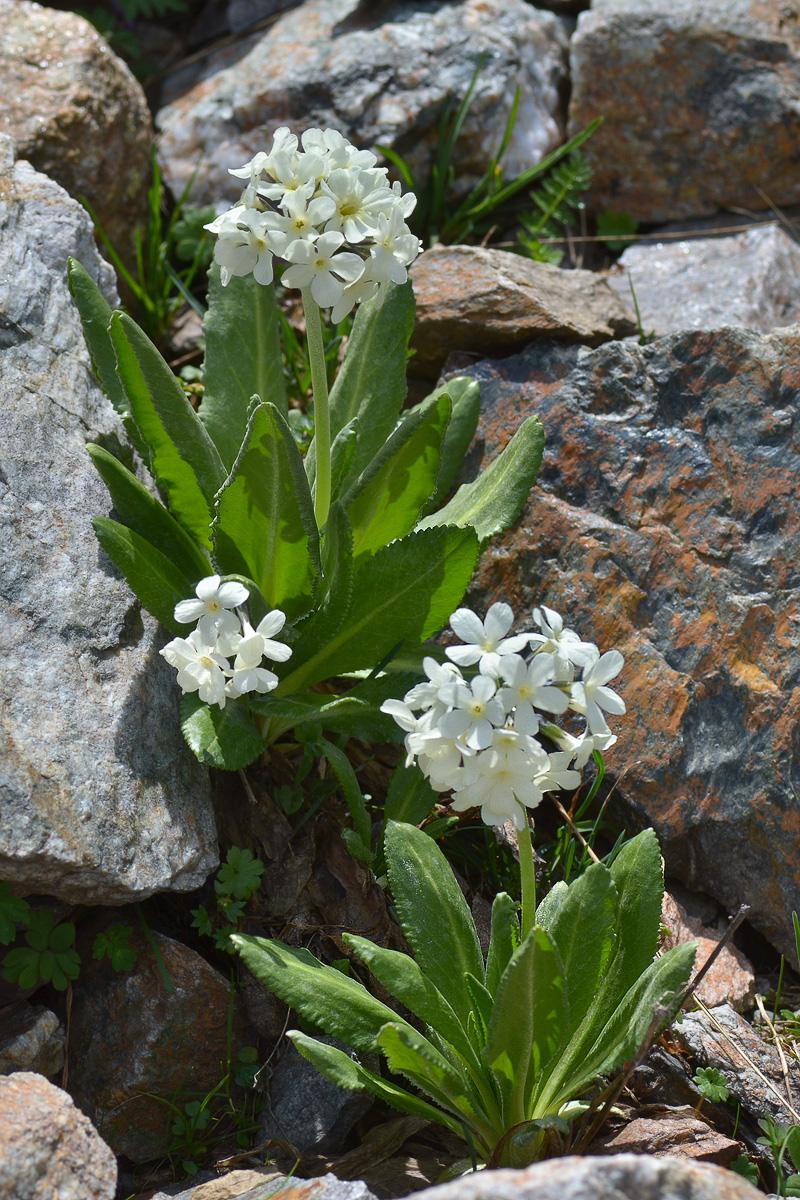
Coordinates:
[666,522]
[76,112]
[102,801]
[698,100]
[378,74]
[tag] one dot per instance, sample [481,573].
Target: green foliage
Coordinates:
[711,1083]
[49,956]
[505,1044]
[555,203]
[237,880]
[13,910]
[617,228]
[745,1167]
[158,287]
[114,943]
[782,1140]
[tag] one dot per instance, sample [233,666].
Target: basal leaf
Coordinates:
[342,1070]
[503,939]
[529,1021]
[405,592]
[465,399]
[409,797]
[152,577]
[412,1055]
[386,499]
[433,913]
[495,499]
[371,383]
[95,314]
[242,359]
[583,930]
[183,459]
[265,525]
[350,714]
[339,1005]
[341,766]
[220,737]
[142,512]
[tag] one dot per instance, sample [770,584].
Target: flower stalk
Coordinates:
[322,414]
[527,873]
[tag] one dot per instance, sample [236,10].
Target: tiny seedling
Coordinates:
[49,956]
[114,943]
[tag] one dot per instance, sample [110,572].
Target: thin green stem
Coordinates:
[527,873]
[322,415]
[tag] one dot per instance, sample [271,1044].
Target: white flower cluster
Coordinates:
[203,659]
[328,211]
[480,738]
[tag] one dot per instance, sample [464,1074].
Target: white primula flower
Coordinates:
[502,778]
[394,249]
[590,695]
[282,140]
[486,640]
[475,712]
[317,264]
[363,289]
[200,667]
[438,757]
[431,695]
[244,244]
[291,173]
[303,217]
[212,608]
[555,639]
[580,748]
[358,198]
[336,151]
[250,677]
[529,686]
[558,774]
[257,643]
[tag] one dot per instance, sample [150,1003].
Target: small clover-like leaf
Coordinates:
[114,942]
[202,921]
[711,1083]
[240,875]
[13,911]
[745,1167]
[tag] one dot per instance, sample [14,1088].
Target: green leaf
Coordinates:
[409,797]
[482,1001]
[433,913]
[183,459]
[371,383]
[341,1006]
[711,1083]
[495,499]
[350,714]
[265,525]
[344,772]
[142,512]
[529,1021]
[386,499]
[503,939]
[747,1169]
[793,1144]
[412,1055]
[220,737]
[13,910]
[465,398]
[404,592]
[240,874]
[95,314]
[62,937]
[114,942]
[403,979]
[40,926]
[242,359]
[345,1072]
[152,577]
[582,927]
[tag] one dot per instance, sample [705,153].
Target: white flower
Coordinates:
[590,695]
[200,668]
[212,608]
[292,173]
[357,198]
[244,244]
[257,643]
[364,288]
[336,151]
[318,265]
[555,639]
[529,686]
[502,778]
[474,713]
[486,640]
[558,774]
[303,217]
[580,748]
[395,247]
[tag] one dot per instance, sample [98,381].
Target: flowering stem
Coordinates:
[322,415]
[527,873]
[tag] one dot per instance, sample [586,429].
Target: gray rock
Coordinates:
[490,302]
[306,1109]
[76,113]
[102,801]
[622,1177]
[32,1039]
[241,1185]
[752,1067]
[379,76]
[698,100]
[750,279]
[48,1147]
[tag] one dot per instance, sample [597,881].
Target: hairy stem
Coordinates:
[527,873]
[322,415]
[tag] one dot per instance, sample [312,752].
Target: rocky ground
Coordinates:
[666,513]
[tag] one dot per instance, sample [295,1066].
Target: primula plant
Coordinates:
[567,991]
[349,553]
